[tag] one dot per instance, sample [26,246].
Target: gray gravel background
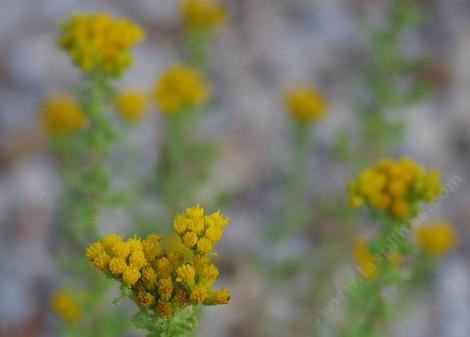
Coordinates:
[269,45]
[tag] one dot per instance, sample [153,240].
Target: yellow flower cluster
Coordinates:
[160,280]
[306,104]
[61,115]
[202,15]
[65,307]
[180,87]
[436,238]
[130,104]
[100,43]
[395,187]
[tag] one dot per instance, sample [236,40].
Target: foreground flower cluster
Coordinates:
[163,281]
[395,187]
[99,42]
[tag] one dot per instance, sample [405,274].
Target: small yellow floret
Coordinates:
[190,239]
[145,299]
[101,261]
[149,277]
[185,275]
[131,276]
[180,224]
[110,240]
[204,246]
[164,308]
[219,296]
[165,288]
[199,294]
[137,259]
[135,244]
[130,105]
[163,267]
[181,297]
[121,249]
[209,274]
[94,250]
[213,234]
[117,266]
[151,246]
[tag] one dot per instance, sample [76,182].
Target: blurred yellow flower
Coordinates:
[166,278]
[202,15]
[65,307]
[364,259]
[99,43]
[306,104]
[395,187]
[180,87]
[436,238]
[130,104]
[61,115]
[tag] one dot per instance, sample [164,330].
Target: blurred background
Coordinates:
[268,46]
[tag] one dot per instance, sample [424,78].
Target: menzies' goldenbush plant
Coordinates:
[200,20]
[393,192]
[181,94]
[83,133]
[166,286]
[305,106]
[99,43]
[395,188]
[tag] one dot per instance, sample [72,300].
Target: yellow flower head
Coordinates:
[364,259]
[160,277]
[131,275]
[165,309]
[436,238]
[180,87]
[394,187]
[202,15]
[65,306]
[99,43]
[144,299]
[117,266]
[306,104]
[185,275]
[151,246]
[219,296]
[199,294]
[165,288]
[62,115]
[131,105]
[111,240]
